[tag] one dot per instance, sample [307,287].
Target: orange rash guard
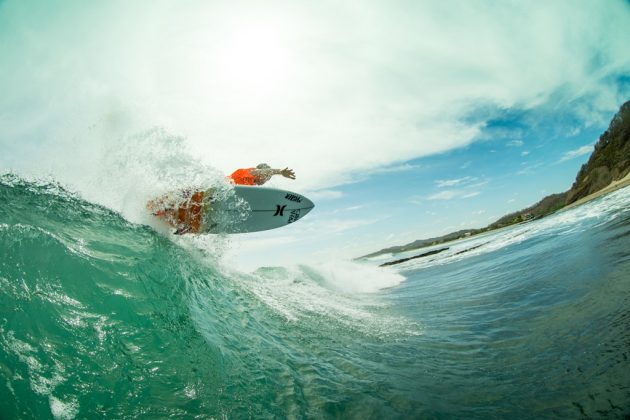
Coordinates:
[243,177]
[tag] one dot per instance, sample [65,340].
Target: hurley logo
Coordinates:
[279,210]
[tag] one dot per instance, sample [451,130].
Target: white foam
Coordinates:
[63,410]
[340,292]
[354,277]
[140,167]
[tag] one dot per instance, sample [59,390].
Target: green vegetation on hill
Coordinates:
[421,243]
[610,161]
[547,205]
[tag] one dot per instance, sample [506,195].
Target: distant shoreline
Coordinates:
[608,161]
[613,186]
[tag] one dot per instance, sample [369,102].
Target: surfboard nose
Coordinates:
[297,206]
[307,204]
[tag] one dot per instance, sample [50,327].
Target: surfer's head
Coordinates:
[262,173]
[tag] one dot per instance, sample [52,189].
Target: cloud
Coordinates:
[572,154]
[443,195]
[471,194]
[516,143]
[442,183]
[341,210]
[395,168]
[530,168]
[353,208]
[452,194]
[324,194]
[467,182]
[333,92]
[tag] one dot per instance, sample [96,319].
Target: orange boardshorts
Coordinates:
[187,216]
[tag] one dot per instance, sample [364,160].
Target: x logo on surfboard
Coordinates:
[279,210]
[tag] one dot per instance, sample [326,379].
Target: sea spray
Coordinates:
[137,168]
[344,293]
[353,277]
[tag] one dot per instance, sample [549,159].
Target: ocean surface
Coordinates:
[104,318]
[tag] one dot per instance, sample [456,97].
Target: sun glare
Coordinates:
[252,58]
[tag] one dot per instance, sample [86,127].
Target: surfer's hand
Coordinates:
[288,173]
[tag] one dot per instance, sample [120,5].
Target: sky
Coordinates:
[402,120]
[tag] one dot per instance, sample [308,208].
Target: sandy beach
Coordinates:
[613,186]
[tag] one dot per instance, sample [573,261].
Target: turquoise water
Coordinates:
[100,317]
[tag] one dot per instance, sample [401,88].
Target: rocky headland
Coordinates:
[607,169]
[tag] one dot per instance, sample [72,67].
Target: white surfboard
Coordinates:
[238,209]
[254,209]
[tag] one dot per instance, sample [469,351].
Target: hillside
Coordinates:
[421,243]
[609,162]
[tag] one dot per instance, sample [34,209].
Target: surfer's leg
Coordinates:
[195,212]
[208,212]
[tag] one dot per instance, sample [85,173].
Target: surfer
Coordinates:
[259,175]
[185,210]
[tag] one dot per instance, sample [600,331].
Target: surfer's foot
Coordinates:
[182,230]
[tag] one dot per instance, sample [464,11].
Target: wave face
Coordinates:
[100,317]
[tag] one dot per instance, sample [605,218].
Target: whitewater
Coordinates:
[104,315]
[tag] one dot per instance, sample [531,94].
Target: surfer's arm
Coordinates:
[263,175]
